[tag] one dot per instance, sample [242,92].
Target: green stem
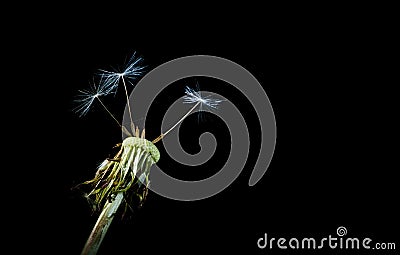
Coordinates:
[103,223]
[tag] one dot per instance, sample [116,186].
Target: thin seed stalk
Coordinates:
[176,124]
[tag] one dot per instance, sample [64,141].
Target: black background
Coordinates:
[330,83]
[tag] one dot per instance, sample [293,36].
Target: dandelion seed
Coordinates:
[86,98]
[111,80]
[133,69]
[193,96]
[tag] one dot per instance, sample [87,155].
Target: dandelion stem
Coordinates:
[103,223]
[176,124]
[127,100]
